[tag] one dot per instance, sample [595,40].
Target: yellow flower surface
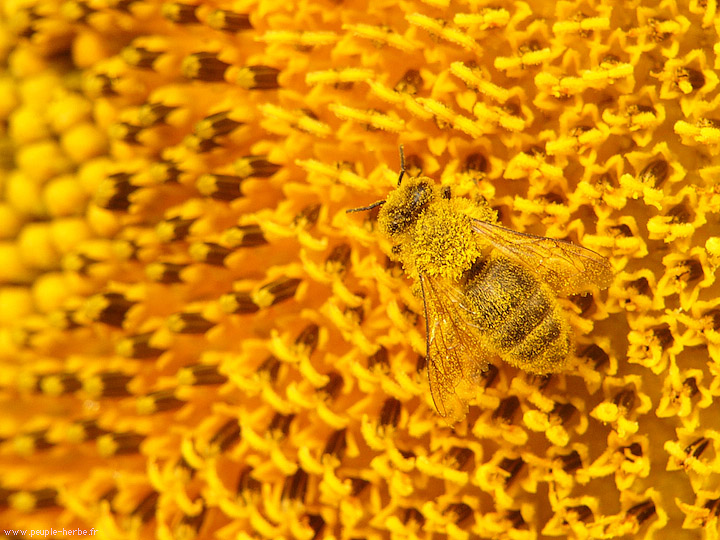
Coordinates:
[197,341]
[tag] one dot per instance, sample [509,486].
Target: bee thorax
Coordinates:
[443,243]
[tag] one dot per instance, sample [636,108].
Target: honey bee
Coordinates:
[486,290]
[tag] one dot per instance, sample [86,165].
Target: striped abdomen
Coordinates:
[517,314]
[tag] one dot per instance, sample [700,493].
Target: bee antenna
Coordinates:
[402,164]
[363,208]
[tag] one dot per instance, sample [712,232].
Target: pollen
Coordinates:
[198,341]
[445,246]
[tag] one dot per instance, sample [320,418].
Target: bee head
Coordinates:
[405,204]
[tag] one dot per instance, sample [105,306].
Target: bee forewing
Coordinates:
[567,268]
[455,348]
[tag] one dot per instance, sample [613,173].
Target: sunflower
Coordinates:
[198,341]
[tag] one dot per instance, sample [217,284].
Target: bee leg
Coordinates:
[446,192]
[477,372]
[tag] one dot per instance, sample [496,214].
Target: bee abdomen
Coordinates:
[545,349]
[523,320]
[518,315]
[494,287]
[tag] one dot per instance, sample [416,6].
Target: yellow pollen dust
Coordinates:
[445,245]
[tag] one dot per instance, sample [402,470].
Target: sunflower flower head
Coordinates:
[198,341]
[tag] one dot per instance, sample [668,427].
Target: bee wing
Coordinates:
[454,348]
[566,267]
